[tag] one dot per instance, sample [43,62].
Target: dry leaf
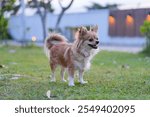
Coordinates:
[126,66]
[48,94]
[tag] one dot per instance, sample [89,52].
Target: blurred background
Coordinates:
[123,24]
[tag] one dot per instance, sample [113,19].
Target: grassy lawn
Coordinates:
[113,75]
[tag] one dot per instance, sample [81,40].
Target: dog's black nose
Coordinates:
[97,42]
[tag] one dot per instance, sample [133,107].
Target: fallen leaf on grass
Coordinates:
[125,66]
[3,66]
[48,94]
[16,76]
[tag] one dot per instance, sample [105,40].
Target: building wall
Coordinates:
[100,17]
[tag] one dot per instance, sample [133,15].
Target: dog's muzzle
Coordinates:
[93,46]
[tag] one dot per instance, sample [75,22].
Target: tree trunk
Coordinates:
[43,18]
[63,9]
[43,21]
[148,42]
[58,21]
[23,43]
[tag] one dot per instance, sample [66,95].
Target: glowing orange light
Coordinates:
[129,19]
[148,18]
[112,20]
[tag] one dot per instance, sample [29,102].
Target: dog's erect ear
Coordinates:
[94,29]
[91,28]
[82,31]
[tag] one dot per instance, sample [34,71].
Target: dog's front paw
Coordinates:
[84,82]
[52,80]
[64,80]
[71,84]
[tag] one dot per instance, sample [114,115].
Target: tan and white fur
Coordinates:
[72,56]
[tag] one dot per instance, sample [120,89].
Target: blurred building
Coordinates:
[116,27]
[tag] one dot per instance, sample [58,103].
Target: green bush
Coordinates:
[6,6]
[145,30]
[3,28]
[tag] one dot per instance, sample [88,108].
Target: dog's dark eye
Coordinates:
[90,40]
[96,38]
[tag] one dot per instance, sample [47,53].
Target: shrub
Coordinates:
[145,30]
[3,28]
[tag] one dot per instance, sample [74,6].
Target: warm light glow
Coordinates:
[34,38]
[112,20]
[29,0]
[129,19]
[148,18]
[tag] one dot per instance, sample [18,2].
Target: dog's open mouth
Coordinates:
[93,46]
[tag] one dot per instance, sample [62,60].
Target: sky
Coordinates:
[79,5]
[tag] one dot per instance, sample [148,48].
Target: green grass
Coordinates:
[113,75]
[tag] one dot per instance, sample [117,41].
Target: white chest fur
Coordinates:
[81,62]
[82,65]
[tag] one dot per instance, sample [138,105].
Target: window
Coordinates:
[126,23]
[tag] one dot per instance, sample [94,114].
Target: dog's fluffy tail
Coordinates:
[53,39]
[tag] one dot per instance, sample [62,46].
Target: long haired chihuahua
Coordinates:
[72,56]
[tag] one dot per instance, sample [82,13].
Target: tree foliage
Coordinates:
[145,30]
[3,28]
[95,6]
[42,4]
[6,6]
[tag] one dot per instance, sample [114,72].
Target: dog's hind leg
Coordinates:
[53,68]
[63,74]
[81,77]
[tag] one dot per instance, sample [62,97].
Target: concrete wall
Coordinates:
[99,17]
